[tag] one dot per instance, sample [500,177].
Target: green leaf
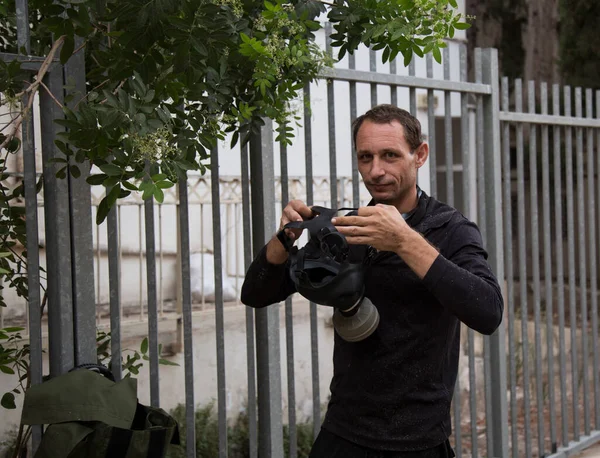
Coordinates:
[166,362]
[437,55]
[159,195]
[453,3]
[96,180]
[111,170]
[13,329]
[462,25]
[159,177]
[8,401]
[113,195]
[408,55]
[67,49]
[6,370]
[148,191]
[75,171]
[102,212]
[144,346]
[130,186]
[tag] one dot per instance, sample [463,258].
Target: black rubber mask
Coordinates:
[320,269]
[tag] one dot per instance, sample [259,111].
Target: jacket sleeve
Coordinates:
[464,283]
[266,283]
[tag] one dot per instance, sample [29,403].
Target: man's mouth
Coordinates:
[380,186]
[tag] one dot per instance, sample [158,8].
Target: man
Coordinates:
[426,271]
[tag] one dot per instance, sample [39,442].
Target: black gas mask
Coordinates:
[323,275]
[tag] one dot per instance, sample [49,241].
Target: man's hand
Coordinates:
[383,227]
[296,210]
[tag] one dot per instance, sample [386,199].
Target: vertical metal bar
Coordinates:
[98,273]
[431,131]
[114,288]
[523,267]
[120,252]
[31,228]
[58,235]
[314,337]
[354,159]
[23,34]
[571,263]
[466,167]
[140,262]
[202,292]
[595,342]
[448,133]
[393,89]
[548,267]
[236,271]
[591,249]
[535,266]
[559,259]
[481,218]
[465,133]
[161,293]
[480,154]
[289,326]
[494,245]
[219,317]
[372,68]
[331,125]
[250,348]
[508,253]
[152,302]
[582,215]
[450,201]
[186,306]
[270,440]
[412,92]
[82,256]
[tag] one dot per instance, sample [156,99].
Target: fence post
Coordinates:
[262,177]
[498,416]
[58,233]
[82,244]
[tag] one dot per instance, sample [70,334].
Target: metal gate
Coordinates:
[475,173]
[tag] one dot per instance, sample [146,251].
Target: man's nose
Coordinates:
[376,168]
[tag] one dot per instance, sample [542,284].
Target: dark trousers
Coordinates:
[329,445]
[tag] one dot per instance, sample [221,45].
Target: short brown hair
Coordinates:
[386,113]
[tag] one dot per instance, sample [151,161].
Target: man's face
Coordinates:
[387,164]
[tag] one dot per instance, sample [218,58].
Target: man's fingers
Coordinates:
[368,211]
[351,221]
[301,208]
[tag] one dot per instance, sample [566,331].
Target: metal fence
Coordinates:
[529,179]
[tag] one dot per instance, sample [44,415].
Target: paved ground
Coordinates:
[592,452]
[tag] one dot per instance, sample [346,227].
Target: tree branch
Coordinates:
[51,94]
[31,91]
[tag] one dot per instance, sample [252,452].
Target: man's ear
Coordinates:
[421,154]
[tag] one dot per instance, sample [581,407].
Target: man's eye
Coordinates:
[391,154]
[364,157]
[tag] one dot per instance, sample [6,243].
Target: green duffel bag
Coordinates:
[89,415]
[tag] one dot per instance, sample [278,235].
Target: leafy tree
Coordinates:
[166,79]
[579,48]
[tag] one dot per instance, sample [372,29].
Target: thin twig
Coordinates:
[93,89]
[121,84]
[31,90]
[51,94]
[44,299]
[80,48]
